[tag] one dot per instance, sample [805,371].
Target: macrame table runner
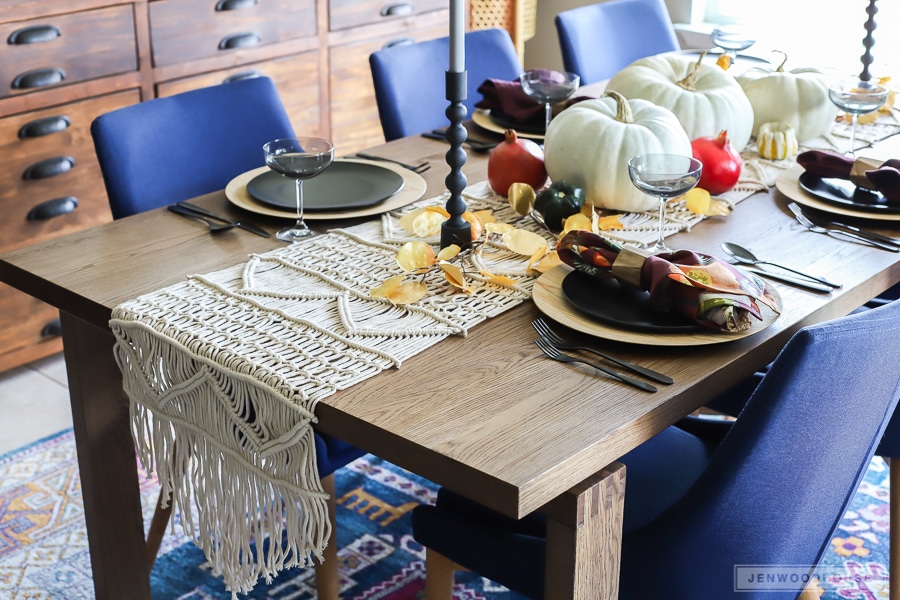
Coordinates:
[230,365]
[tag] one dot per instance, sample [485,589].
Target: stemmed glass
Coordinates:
[548,87]
[732,39]
[665,176]
[298,159]
[856,97]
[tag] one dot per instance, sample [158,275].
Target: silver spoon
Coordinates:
[748,258]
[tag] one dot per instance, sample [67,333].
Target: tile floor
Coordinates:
[34,402]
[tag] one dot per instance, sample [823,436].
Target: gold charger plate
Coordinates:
[788,183]
[548,297]
[414,187]
[482,118]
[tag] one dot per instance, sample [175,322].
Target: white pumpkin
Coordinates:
[798,97]
[589,145]
[705,98]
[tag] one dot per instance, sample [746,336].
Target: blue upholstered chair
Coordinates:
[170,149]
[771,493]
[409,79]
[598,40]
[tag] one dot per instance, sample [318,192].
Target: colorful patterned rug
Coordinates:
[44,554]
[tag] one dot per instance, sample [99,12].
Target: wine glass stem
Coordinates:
[300,223]
[853,118]
[661,240]
[548,112]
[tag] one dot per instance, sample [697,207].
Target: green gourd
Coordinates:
[559,201]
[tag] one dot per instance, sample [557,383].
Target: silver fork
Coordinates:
[837,233]
[420,168]
[551,352]
[551,336]
[214,226]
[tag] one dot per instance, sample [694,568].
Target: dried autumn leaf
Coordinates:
[551,260]
[475,222]
[577,222]
[438,209]
[385,289]
[697,201]
[409,292]
[521,197]
[498,227]
[499,279]
[448,253]
[423,222]
[610,222]
[454,275]
[523,242]
[415,255]
[718,208]
[539,254]
[485,216]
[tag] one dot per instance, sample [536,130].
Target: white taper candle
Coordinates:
[457,36]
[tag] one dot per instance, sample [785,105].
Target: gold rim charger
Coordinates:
[482,118]
[414,187]
[788,183]
[548,297]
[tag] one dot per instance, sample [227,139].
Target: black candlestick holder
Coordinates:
[456,230]
[868,41]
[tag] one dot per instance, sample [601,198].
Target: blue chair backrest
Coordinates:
[598,40]
[410,87]
[170,149]
[781,479]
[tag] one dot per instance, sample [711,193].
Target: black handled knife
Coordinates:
[208,213]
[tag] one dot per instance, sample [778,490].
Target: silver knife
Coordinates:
[788,279]
[208,213]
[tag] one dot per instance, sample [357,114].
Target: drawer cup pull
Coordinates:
[33,35]
[53,328]
[399,42]
[53,208]
[398,9]
[38,78]
[222,5]
[45,126]
[50,167]
[242,76]
[239,40]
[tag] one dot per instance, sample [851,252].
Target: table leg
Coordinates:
[106,462]
[584,538]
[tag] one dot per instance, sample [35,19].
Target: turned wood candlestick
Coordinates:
[868,41]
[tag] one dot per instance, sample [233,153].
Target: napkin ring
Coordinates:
[858,171]
[628,264]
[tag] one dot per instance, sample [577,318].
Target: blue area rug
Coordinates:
[44,554]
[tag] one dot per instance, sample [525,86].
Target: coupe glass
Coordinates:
[665,176]
[298,159]
[548,87]
[732,39]
[856,98]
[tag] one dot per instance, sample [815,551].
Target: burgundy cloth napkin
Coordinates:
[706,290]
[508,98]
[884,179]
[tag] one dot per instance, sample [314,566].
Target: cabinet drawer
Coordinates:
[54,148]
[63,49]
[344,14]
[186,30]
[27,329]
[354,115]
[297,79]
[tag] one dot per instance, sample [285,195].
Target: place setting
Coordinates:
[313,185]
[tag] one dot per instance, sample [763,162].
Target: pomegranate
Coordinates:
[721,163]
[516,160]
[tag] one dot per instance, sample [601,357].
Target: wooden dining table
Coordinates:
[486,414]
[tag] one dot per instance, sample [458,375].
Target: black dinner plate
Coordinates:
[843,192]
[342,186]
[614,304]
[534,126]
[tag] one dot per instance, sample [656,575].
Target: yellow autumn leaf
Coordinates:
[438,209]
[551,260]
[539,254]
[523,242]
[587,209]
[415,255]
[577,222]
[449,252]
[409,292]
[475,222]
[610,222]
[423,222]
[724,61]
[697,201]
[498,279]
[385,289]
[485,216]
[454,275]
[498,227]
